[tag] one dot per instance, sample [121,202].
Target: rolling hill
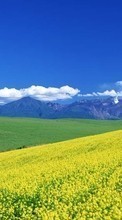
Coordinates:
[75,179]
[18,133]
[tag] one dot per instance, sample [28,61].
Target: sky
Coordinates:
[60,49]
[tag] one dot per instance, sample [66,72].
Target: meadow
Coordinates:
[78,179]
[18,133]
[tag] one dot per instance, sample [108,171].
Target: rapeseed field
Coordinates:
[78,179]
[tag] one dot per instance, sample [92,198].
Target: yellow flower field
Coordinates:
[79,179]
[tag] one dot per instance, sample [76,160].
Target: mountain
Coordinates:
[28,107]
[93,108]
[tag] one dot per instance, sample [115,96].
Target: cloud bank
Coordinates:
[116,92]
[54,94]
[38,92]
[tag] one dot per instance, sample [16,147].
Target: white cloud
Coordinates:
[119,83]
[85,95]
[53,94]
[112,93]
[38,92]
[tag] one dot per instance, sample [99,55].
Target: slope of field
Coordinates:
[18,133]
[76,179]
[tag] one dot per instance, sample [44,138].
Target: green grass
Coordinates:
[17,133]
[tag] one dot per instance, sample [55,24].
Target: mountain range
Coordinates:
[86,108]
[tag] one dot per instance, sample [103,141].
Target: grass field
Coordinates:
[78,179]
[17,133]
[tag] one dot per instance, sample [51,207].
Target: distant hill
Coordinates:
[90,109]
[28,107]
[16,133]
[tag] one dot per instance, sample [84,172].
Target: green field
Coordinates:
[17,133]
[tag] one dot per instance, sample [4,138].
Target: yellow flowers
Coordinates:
[78,179]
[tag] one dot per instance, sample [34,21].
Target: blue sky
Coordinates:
[57,43]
